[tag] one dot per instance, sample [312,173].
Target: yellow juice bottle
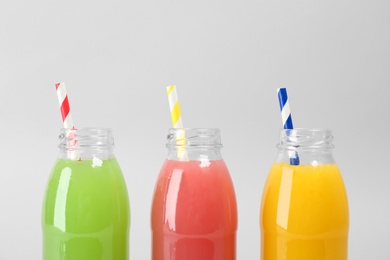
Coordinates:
[304,208]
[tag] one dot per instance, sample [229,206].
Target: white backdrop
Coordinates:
[227,59]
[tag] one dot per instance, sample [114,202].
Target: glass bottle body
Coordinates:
[194,211]
[304,209]
[86,213]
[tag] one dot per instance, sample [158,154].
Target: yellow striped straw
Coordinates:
[174,106]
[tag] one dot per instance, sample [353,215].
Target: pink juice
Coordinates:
[194,212]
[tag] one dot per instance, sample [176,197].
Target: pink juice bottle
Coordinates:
[194,210]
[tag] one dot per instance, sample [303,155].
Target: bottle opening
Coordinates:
[305,138]
[183,138]
[83,143]
[194,144]
[309,146]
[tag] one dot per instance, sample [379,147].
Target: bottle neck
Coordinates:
[194,144]
[305,146]
[86,143]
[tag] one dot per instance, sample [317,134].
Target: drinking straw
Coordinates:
[287,120]
[64,105]
[174,106]
[66,117]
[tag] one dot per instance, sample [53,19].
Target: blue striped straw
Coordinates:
[287,120]
[285,108]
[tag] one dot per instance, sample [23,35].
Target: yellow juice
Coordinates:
[304,213]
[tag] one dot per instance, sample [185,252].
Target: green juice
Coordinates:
[86,213]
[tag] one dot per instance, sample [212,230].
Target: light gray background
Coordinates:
[227,58]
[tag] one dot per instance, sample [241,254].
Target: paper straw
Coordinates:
[174,106]
[63,101]
[67,121]
[285,109]
[287,120]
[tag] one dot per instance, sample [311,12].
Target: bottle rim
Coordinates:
[180,138]
[306,138]
[86,138]
[308,129]
[89,128]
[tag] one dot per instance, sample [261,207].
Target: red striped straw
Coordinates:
[64,105]
[67,119]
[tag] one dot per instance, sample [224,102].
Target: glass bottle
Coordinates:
[304,209]
[194,211]
[86,212]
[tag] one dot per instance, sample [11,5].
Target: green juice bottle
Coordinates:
[86,212]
